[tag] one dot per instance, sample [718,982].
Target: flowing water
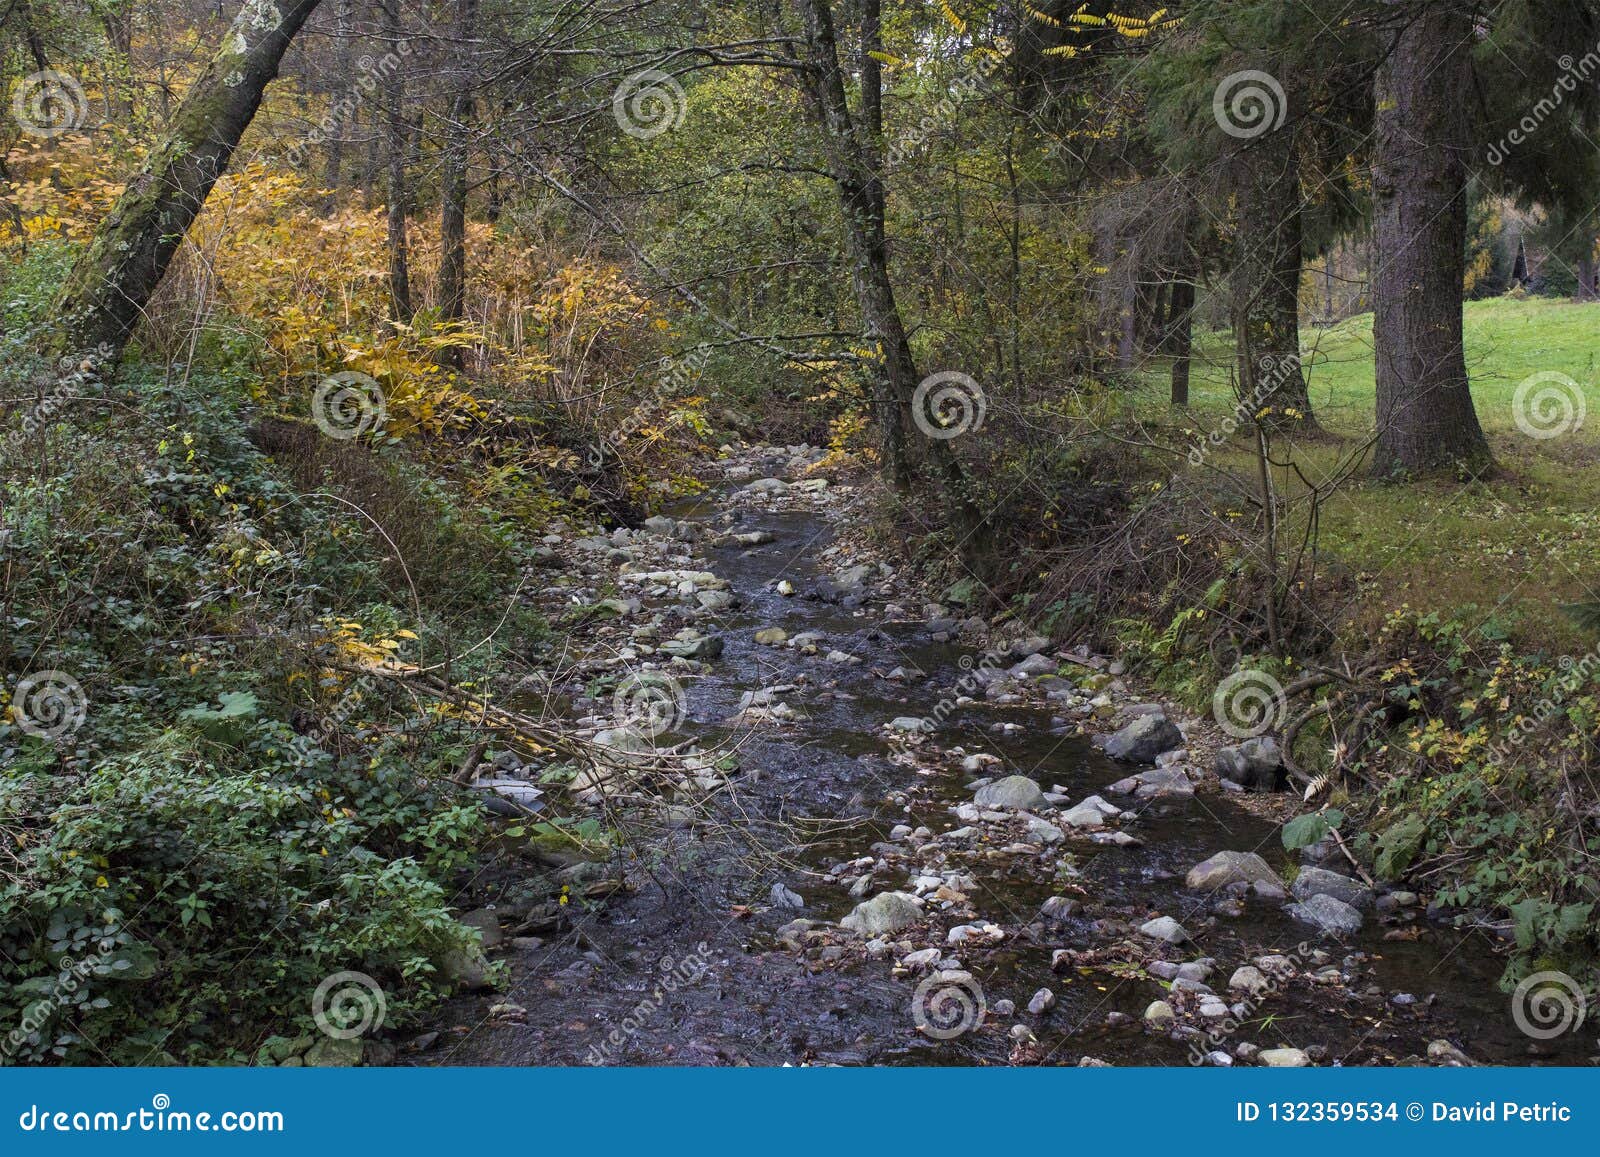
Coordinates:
[751,1000]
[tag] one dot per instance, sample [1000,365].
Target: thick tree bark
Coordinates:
[107,291]
[397,134]
[1426,420]
[1266,284]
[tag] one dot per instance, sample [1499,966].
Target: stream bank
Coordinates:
[844,751]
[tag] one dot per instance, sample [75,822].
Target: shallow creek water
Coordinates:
[754,1001]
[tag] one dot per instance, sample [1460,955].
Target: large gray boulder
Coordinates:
[1014,791]
[884,913]
[1321,882]
[1256,764]
[1226,868]
[1144,739]
[1327,914]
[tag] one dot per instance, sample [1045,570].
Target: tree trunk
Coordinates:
[1265,293]
[396,136]
[453,193]
[344,37]
[1181,336]
[861,196]
[1426,421]
[1586,282]
[111,284]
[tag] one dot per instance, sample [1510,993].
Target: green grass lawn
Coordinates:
[1506,550]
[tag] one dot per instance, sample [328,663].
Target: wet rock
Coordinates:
[333,1053]
[1155,784]
[1031,645]
[1091,813]
[1144,739]
[1164,928]
[922,960]
[1014,791]
[1249,979]
[1033,665]
[487,922]
[1256,764]
[785,897]
[1328,914]
[765,486]
[1442,1052]
[1160,1015]
[886,912]
[690,645]
[1321,882]
[1004,1007]
[1283,1058]
[910,724]
[1226,868]
[1043,1001]
[772,636]
[1060,908]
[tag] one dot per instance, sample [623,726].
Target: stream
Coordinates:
[697,961]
